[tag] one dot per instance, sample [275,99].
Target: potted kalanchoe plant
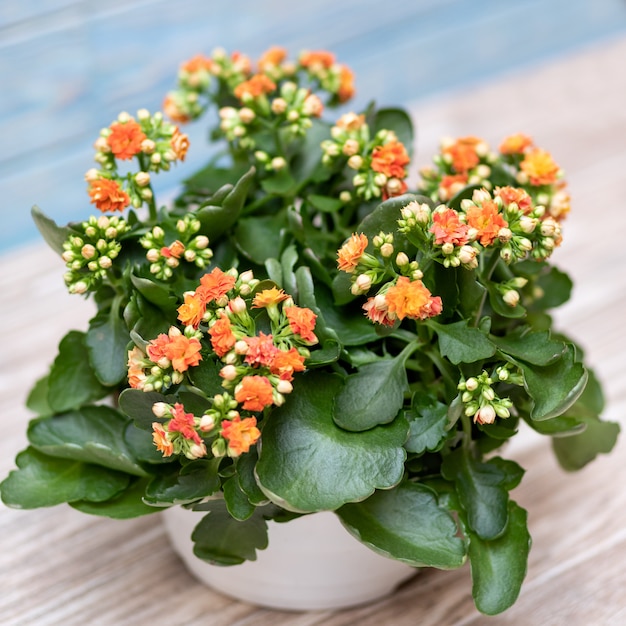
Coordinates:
[300,332]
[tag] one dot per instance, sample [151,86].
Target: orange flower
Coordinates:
[516,144]
[346,84]
[171,108]
[240,434]
[317,60]
[254,87]
[183,352]
[215,285]
[447,228]
[156,348]
[241,63]
[286,362]
[302,322]
[487,220]
[540,168]
[107,195]
[255,392]
[125,139]
[377,311]
[222,337]
[268,298]
[390,159]
[136,374]
[261,349]
[451,184]
[180,144]
[272,57]
[162,439]
[410,298]
[191,312]
[463,154]
[517,195]
[183,423]
[198,63]
[174,250]
[349,255]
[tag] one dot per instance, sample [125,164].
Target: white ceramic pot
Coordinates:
[311,563]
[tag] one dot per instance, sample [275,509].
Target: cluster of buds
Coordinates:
[257,369]
[90,254]
[402,293]
[481,401]
[154,142]
[333,77]
[188,246]
[379,163]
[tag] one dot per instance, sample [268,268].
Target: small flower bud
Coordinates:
[355,162]
[284,386]
[511,298]
[279,106]
[485,415]
[471,384]
[278,163]
[161,409]
[402,259]
[142,179]
[228,372]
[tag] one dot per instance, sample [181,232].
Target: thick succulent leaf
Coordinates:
[236,500]
[72,381]
[42,480]
[259,237]
[107,342]
[482,492]
[555,387]
[126,505]
[307,463]
[373,395]
[53,234]
[399,122]
[407,524]
[138,404]
[599,437]
[222,540]
[536,348]
[499,566]
[462,343]
[93,434]
[428,422]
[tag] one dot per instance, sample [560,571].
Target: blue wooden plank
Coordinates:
[67,67]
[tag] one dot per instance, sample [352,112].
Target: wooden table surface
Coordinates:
[60,566]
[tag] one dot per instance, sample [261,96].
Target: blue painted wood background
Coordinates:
[67,67]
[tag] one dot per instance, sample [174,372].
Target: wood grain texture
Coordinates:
[59,566]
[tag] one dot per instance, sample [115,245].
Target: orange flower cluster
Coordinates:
[464,153]
[214,286]
[540,167]
[107,195]
[349,255]
[258,85]
[486,220]
[125,139]
[175,348]
[241,434]
[448,228]
[390,159]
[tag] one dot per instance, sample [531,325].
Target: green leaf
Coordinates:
[536,348]
[325,204]
[259,237]
[42,480]
[309,464]
[195,481]
[561,426]
[482,492]
[93,434]
[288,260]
[500,306]
[138,404]
[554,388]
[216,220]
[54,235]
[245,467]
[236,500]
[406,524]
[462,343]
[72,381]
[37,400]
[157,294]
[107,342]
[206,376]
[574,452]
[126,505]
[556,287]
[471,292]
[428,421]
[281,183]
[499,566]
[222,540]
[372,396]
[399,122]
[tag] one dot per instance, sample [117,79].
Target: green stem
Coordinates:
[486,276]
